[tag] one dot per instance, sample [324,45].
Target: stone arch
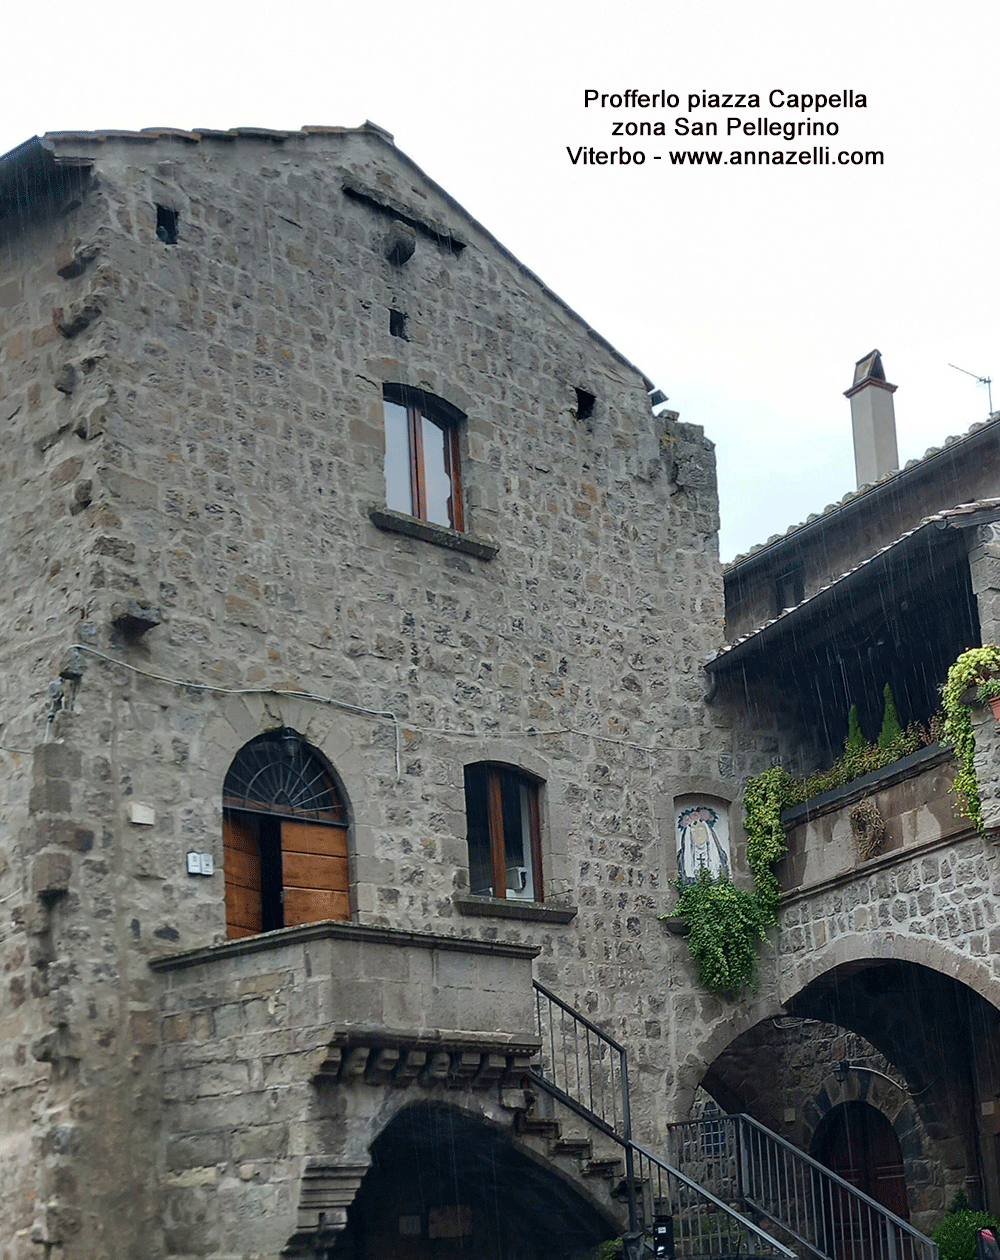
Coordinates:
[974,973]
[722,1033]
[443,1169]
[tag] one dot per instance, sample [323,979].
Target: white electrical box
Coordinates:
[141,815]
[194,863]
[207,865]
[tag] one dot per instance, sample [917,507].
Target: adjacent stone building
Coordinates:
[355,598]
[879,1017]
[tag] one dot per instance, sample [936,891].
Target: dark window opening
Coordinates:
[713,1132]
[502,816]
[166,225]
[584,404]
[423,473]
[397,325]
[789,590]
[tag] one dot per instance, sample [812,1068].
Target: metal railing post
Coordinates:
[627,1123]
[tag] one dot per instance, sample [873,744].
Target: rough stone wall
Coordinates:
[223,440]
[51,421]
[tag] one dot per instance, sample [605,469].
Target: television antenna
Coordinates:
[983,380]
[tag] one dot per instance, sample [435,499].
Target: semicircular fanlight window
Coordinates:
[278,773]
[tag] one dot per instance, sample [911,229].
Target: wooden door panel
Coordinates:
[241,867]
[313,838]
[310,870]
[311,905]
[315,875]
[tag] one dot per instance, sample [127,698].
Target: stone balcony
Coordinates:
[283,1056]
[374,1004]
[913,798]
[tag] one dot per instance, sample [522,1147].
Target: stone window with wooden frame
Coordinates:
[504,832]
[284,835]
[423,468]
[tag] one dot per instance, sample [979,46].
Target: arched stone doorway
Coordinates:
[444,1185]
[916,1044]
[856,1141]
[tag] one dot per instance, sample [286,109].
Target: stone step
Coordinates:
[538,1126]
[576,1148]
[604,1168]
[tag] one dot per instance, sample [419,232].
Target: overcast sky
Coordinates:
[745,294]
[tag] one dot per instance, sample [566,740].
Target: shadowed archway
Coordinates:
[443,1182]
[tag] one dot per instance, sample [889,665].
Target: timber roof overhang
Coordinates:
[911,559]
[869,499]
[44,172]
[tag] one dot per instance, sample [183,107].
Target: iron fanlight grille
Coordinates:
[278,773]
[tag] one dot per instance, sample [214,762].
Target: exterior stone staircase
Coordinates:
[763,1197]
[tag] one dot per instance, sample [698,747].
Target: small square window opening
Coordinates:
[397,325]
[166,225]
[789,588]
[584,405]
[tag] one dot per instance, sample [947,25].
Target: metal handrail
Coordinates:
[705,1233]
[795,1192]
[587,1071]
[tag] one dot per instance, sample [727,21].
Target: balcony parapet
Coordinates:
[913,799]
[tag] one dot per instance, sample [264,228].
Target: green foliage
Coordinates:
[764,799]
[863,760]
[855,741]
[956,1235]
[979,668]
[726,923]
[610,1249]
[960,1203]
[891,732]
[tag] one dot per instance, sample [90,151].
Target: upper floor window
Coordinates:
[284,838]
[789,588]
[423,475]
[504,833]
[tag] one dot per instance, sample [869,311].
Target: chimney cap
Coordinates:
[869,371]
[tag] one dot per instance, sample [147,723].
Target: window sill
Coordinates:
[427,531]
[498,908]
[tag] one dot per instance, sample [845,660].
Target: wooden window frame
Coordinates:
[418,408]
[494,811]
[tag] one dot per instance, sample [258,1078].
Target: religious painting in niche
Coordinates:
[702,837]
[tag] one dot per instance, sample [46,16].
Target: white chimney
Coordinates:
[873,420]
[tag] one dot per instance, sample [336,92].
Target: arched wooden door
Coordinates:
[860,1145]
[284,838]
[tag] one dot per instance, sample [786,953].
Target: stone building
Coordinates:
[355,600]
[877,1028]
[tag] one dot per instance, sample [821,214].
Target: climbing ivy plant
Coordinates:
[979,668]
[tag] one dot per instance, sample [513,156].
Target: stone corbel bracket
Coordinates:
[381,1057]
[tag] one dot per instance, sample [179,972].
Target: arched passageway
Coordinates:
[443,1183]
[917,1046]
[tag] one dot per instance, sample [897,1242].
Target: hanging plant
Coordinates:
[979,668]
[726,924]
